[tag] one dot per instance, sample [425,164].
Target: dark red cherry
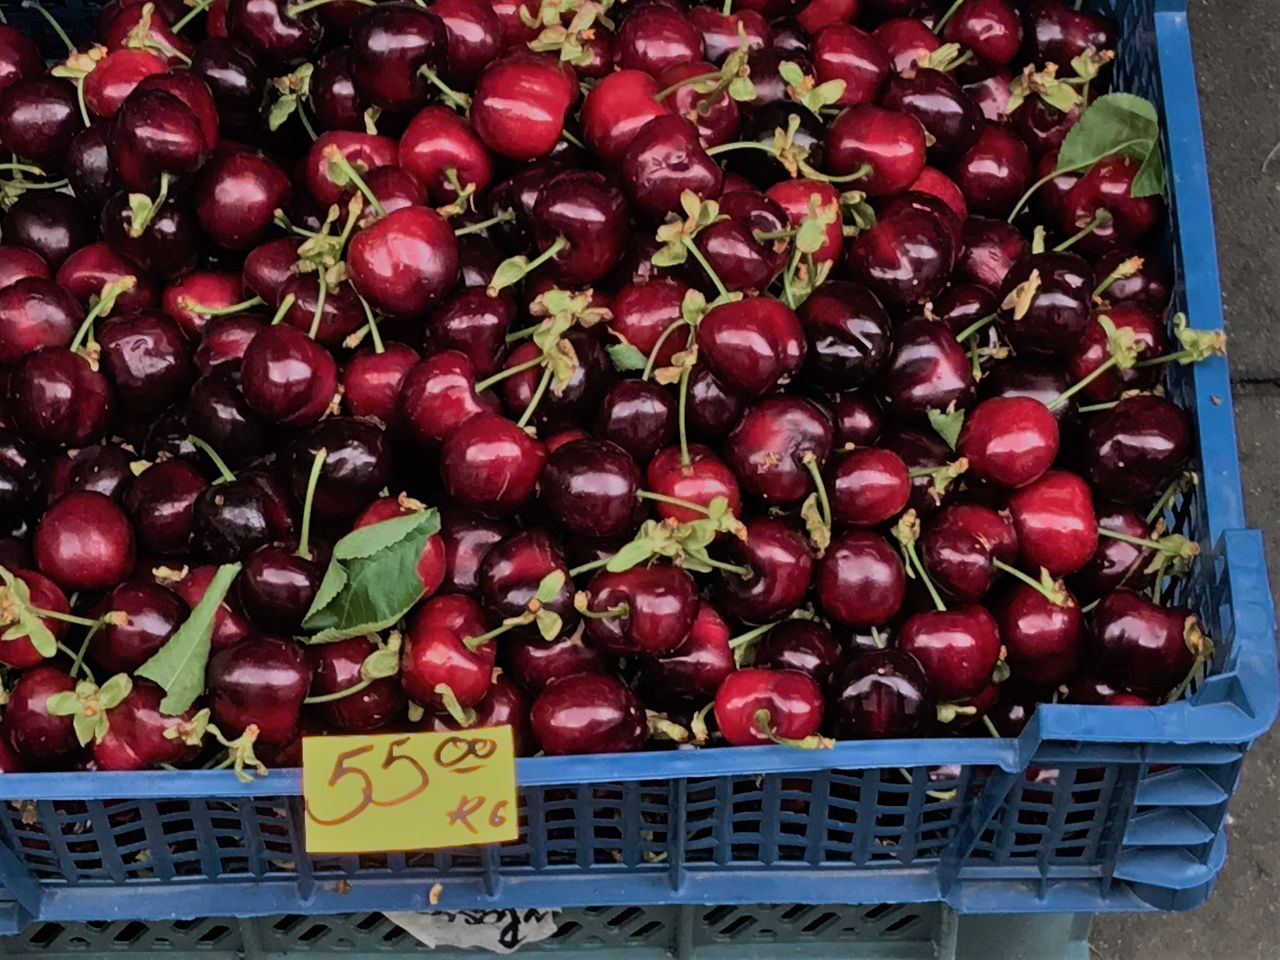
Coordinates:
[340,312]
[890,142]
[491,465]
[781,570]
[590,214]
[928,369]
[390,45]
[356,467]
[336,667]
[1115,563]
[1108,186]
[32,730]
[38,118]
[771,445]
[957,648]
[616,109]
[467,538]
[476,324]
[905,40]
[1042,639]
[155,134]
[1134,449]
[848,335]
[882,694]
[505,704]
[803,645]
[957,556]
[152,612]
[712,408]
[1149,285]
[991,29]
[21,478]
[20,58]
[1053,310]
[664,160]
[438,141]
[1057,33]
[218,414]
[512,571]
[905,258]
[716,117]
[761,127]
[534,662]
[1036,379]
[262,682]
[474,35]
[147,359]
[19,652]
[695,670]
[935,99]
[34,313]
[644,610]
[371,380]
[238,82]
[1009,441]
[84,542]
[590,488]
[989,250]
[276,588]
[1139,645]
[438,393]
[638,416]
[843,52]
[577,399]
[752,344]
[1148,330]
[404,262]
[52,225]
[59,399]
[1055,521]
[867,486]
[168,245]
[655,37]
[857,419]
[19,263]
[860,580]
[231,519]
[287,377]
[642,312]
[520,105]
[760,706]
[994,172]
[161,501]
[237,197]
[701,481]
[587,713]
[271,32]
[229,624]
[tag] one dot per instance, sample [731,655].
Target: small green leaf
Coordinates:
[179,665]
[742,89]
[626,357]
[630,555]
[62,704]
[946,425]
[87,726]
[368,540]
[670,256]
[380,664]
[111,693]
[509,272]
[791,73]
[817,528]
[1117,124]
[1149,180]
[549,624]
[281,111]
[549,586]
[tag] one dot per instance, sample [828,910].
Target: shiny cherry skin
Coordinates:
[904,259]
[19,652]
[1037,379]
[1115,563]
[663,160]
[781,572]
[848,335]
[475,323]
[642,312]
[261,681]
[1149,286]
[1058,310]
[993,173]
[1042,639]
[655,37]
[755,706]
[511,572]
[287,377]
[1055,521]
[891,142]
[161,501]
[992,29]
[357,465]
[867,486]
[59,399]
[491,465]
[438,393]
[752,344]
[364,151]
[390,44]
[1136,448]
[438,140]
[217,413]
[881,694]
[237,81]
[156,133]
[719,120]
[860,580]
[639,417]
[335,667]
[104,468]
[135,738]
[267,28]
[769,447]
[797,198]
[229,624]
[989,250]
[504,705]
[237,197]
[616,109]
[170,244]
[32,731]
[957,648]
[957,557]
[761,127]
[695,670]
[534,662]
[276,587]
[935,99]
[467,539]
[803,645]
[53,225]
[590,213]
[152,613]
[659,605]
[590,488]
[963,304]
[587,713]
[928,369]
[19,263]
[38,119]
[905,40]
[1042,126]
[371,380]
[147,359]
[1056,32]
[1092,352]
[404,262]
[1141,646]
[35,312]
[1009,441]
[520,104]
[20,58]
[742,262]
[88,167]
[713,408]
[86,271]
[434,653]
[843,52]
[1108,186]
[21,478]
[231,519]
[474,35]
[340,312]
[704,479]
[200,288]
[578,399]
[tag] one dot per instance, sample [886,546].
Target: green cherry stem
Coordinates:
[339,160]
[66,617]
[616,612]
[913,555]
[225,474]
[505,216]
[459,101]
[77,660]
[1054,597]
[682,408]
[974,327]
[1126,268]
[1099,218]
[1059,171]
[534,400]
[1126,538]
[496,285]
[702,262]
[508,372]
[340,694]
[674,501]
[188,304]
[588,567]
[741,571]
[1098,407]
[687,81]
[198,8]
[110,293]
[140,218]
[374,335]
[657,347]
[1167,497]
[322,293]
[285,306]
[480,639]
[751,636]
[764,723]
[942,21]
[568,137]
[304,539]
[990,725]
[811,464]
[1083,382]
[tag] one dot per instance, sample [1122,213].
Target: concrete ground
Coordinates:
[1241,921]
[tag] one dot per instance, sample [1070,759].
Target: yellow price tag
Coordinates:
[416,791]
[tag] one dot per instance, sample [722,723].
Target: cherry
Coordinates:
[339,311]
[616,109]
[491,465]
[1142,646]
[467,539]
[84,542]
[371,380]
[716,116]
[34,732]
[1134,449]
[186,298]
[905,40]
[391,44]
[1148,285]
[585,215]
[438,394]
[752,344]
[905,258]
[860,580]
[1057,33]
[843,52]
[943,109]
[1042,126]
[937,184]
[590,487]
[237,81]
[262,682]
[1107,186]
[773,444]
[763,706]
[86,271]
[356,466]
[335,668]
[989,250]
[38,118]
[512,572]
[152,612]
[20,58]
[19,263]
[958,552]
[1010,441]
[59,399]
[781,570]
[520,105]
[19,652]
[882,694]
[120,23]
[765,76]
[363,151]
[167,246]
[35,312]
[229,624]
[928,370]
[694,671]
[802,645]
[848,335]
[535,663]
[136,733]
[1053,309]
[704,478]
[217,412]
[642,312]
[116,76]
[1050,200]
[665,159]
[1093,352]
[576,399]
[991,94]
[287,377]
[104,468]
[957,648]
[1116,563]
[962,305]
[1042,638]
[52,225]
[161,501]
[867,486]
[587,713]
[238,193]
[404,262]
[993,173]
[1055,521]
[991,29]
[1031,378]
[730,246]
[637,416]
[712,408]
[437,669]
[655,37]
[147,359]
[890,142]
[798,197]
[155,134]
[644,610]
[21,478]
[438,145]
[273,33]
[276,588]
[475,323]
[231,518]
[474,35]
[761,127]
[504,705]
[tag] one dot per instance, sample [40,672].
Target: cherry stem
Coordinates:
[509,372]
[479,640]
[687,81]
[942,21]
[1177,692]
[916,562]
[570,138]
[878,639]
[339,160]
[340,694]
[65,617]
[682,408]
[1177,357]
[702,261]
[588,567]
[524,334]
[1075,388]
[304,539]
[657,347]
[1097,407]
[200,7]
[373,327]
[1099,218]
[991,727]
[1126,538]
[1029,580]
[285,306]
[1059,171]
[726,567]
[974,327]
[204,311]
[748,638]
[296,8]
[1166,498]
[57,27]
[462,716]
[225,474]
[815,471]
[21,168]
[138,225]
[616,612]
[764,723]
[459,101]
[77,660]
[322,288]
[1121,271]
[306,121]
[861,173]
[532,265]
[538,394]
[674,501]
[504,216]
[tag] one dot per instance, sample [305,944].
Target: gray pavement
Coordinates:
[1239,79]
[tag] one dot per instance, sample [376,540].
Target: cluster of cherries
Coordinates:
[730,342]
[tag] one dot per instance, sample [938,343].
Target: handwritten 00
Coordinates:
[409,791]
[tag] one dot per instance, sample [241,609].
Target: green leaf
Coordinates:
[1117,124]
[626,357]
[817,528]
[380,664]
[87,727]
[111,693]
[179,665]
[509,272]
[62,704]
[946,425]
[630,555]
[377,588]
[549,586]
[742,89]
[670,256]
[549,624]
[791,73]
[281,111]
[1149,180]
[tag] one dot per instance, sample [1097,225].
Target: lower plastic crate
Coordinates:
[1090,809]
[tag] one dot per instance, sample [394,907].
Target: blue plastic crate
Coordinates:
[1133,820]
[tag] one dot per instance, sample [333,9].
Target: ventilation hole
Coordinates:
[313,933]
[566,930]
[795,912]
[879,910]
[369,922]
[624,916]
[645,930]
[45,934]
[214,933]
[819,922]
[130,933]
[740,923]
[716,914]
[901,923]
